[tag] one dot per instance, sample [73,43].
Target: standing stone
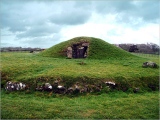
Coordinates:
[69,52]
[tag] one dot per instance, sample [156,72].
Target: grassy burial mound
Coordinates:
[82,47]
[106,68]
[104,64]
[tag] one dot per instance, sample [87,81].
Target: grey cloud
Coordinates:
[106,7]
[40,30]
[4,44]
[11,18]
[70,18]
[72,14]
[36,19]
[18,16]
[149,10]
[42,42]
[126,11]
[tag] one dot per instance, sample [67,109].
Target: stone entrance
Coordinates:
[78,50]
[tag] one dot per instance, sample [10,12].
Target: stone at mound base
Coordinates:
[85,47]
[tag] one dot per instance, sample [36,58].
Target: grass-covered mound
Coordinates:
[127,73]
[31,68]
[98,49]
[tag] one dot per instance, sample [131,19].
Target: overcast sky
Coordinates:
[44,23]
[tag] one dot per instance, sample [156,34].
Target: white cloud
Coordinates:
[112,32]
[31,23]
[149,33]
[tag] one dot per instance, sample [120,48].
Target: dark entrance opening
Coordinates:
[79,50]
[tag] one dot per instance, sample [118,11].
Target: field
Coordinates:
[114,105]
[30,67]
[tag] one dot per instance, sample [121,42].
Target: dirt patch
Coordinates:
[89,112]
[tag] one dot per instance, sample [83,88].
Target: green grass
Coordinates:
[98,49]
[104,62]
[115,105]
[126,72]
[28,68]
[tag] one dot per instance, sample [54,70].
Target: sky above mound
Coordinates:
[44,23]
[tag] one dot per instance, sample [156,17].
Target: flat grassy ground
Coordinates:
[114,105]
[28,68]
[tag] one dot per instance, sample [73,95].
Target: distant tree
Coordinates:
[149,48]
[144,48]
[155,48]
[133,48]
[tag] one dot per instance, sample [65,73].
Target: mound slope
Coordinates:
[90,47]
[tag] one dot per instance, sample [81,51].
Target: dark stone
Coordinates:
[110,84]
[13,86]
[47,87]
[152,87]
[39,88]
[84,90]
[150,64]
[136,90]
[76,90]
[145,64]
[70,90]
[61,89]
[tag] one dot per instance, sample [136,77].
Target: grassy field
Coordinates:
[114,105]
[29,67]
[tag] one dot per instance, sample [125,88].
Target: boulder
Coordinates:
[60,89]
[110,84]
[69,52]
[150,64]
[84,90]
[15,86]
[135,90]
[39,88]
[44,87]
[77,89]
[70,90]
[47,87]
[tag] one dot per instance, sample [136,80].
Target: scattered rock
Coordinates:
[110,84]
[150,64]
[61,89]
[39,88]
[135,90]
[15,86]
[70,90]
[77,89]
[94,88]
[47,87]
[84,90]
